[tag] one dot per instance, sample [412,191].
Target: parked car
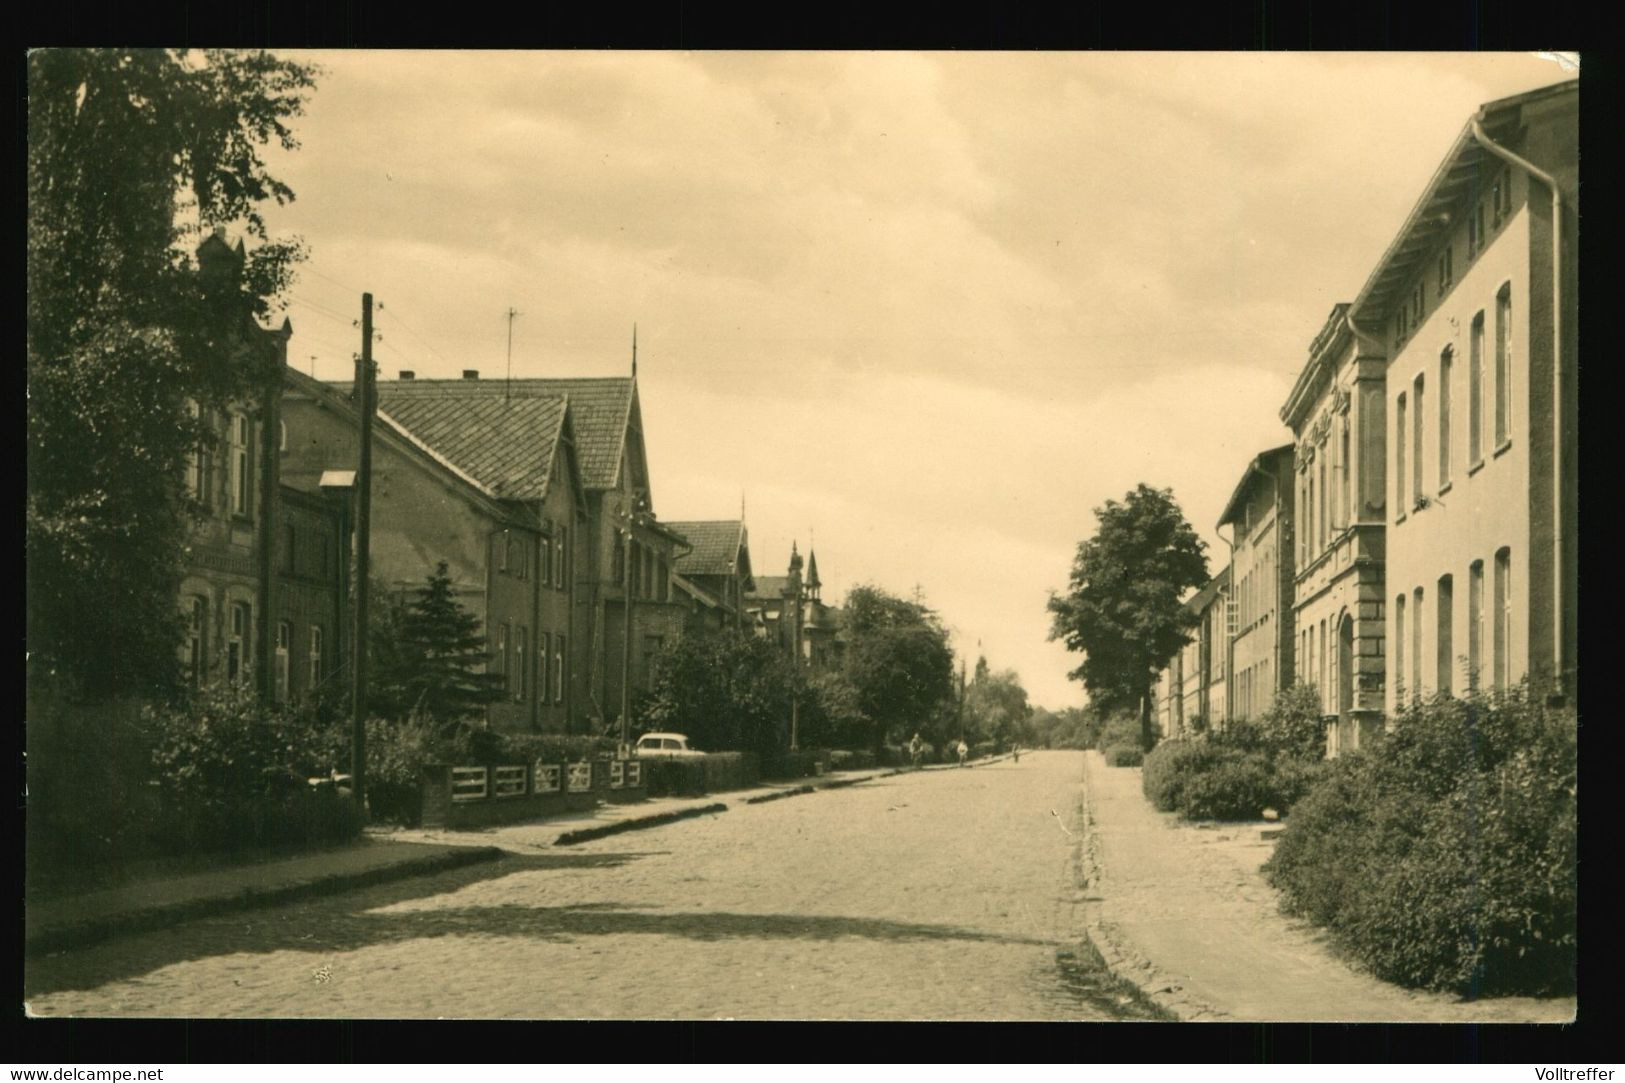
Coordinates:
[671,746]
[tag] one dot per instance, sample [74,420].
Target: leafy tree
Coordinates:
[131,153]
[428,657]
[1122,608]
[996,707]
[728,691]
[898,661]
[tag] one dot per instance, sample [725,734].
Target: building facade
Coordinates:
[790,610]
[1338,415]
[714,573]
[1476,302]
[1259,642]
[1200,664]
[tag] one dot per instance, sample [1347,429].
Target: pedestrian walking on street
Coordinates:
[1015,751]
[963,750]
[916,748]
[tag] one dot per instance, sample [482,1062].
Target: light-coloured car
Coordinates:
[672,746]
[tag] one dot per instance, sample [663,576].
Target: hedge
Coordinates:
[1445,858]
[1124,756]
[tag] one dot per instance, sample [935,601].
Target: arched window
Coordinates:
[197,620]
[1475,623]
[1503,365]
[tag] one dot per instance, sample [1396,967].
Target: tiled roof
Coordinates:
[769,586]
[506,444]
[600,408]
[716,546]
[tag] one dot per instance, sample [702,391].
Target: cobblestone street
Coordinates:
[937,895]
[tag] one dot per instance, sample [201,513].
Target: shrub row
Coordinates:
[1210,780]
[1445,857]
[1124,756]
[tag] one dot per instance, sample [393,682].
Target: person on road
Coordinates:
[1015,751]
[963,751]
[916,748]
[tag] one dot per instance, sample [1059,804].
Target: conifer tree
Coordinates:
[430,657]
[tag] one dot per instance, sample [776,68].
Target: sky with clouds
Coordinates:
[926,311]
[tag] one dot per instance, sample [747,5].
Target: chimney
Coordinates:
[471,374]
[408,374]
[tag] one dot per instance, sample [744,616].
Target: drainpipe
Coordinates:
[1229,638]
[1557,380]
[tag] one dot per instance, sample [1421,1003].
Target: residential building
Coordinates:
[619,557]
[714,574]
[487,485]
[262,590]
[1338,415]
[1201,662]
[791,611]
[1475,306]
[1259,641]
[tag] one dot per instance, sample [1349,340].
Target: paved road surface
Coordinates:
[938,895]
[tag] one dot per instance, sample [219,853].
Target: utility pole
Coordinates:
[366,405]
[626,652]
[507,389]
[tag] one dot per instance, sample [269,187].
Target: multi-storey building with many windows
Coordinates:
[1259,647]
[1475,307]
[1338,415]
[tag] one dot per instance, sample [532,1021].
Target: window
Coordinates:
[1402,324]
[237,643]
[1320,488]
[1503,365]
[1444,636]
[559,648]
[1475,622]
[546,641]
[282,436]
[197,618]
[1399,649]
[315,657]
[1445,359]
[1446,272]
[284,637]
[1501,197]
[504,552]
[194,462]
[1503,619]
[1416,306]
[517,559]
[241,489]
[1399,458]
[1416,446]
[1416,643]
[546,560]
[521,654]
[501,659]
[1344,475]
[1475,392]
[1476,238]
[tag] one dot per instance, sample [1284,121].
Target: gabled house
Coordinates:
[489,486]
[715,573]
[790,611]
[619,557]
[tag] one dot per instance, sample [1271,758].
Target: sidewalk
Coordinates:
[383,854]
[1183,911]
[75,920]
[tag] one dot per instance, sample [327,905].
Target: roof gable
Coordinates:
[601,408]
[716,547]
[508,444]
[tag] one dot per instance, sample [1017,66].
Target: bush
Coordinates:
[1124,755]
[730,771]
[855,760]
[232,772]
[1120,729]
[674,778]
[1169,767]
[1294,725]
[1236,786]
[802,763]
[1446,859]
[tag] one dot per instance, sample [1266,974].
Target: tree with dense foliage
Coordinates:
[132,154]
[728,691]
[996,707]
[429,657]
[1122,608]
[898,661]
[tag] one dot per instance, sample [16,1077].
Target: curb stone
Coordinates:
[94,930]
[637,823]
